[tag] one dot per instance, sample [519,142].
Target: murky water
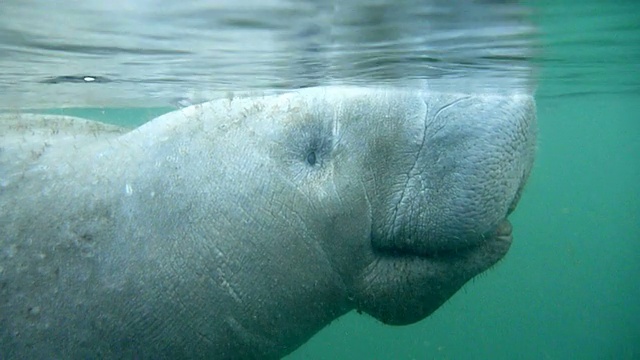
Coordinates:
[569,286]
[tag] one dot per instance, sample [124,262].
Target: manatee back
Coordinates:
[25,139]
[47,258]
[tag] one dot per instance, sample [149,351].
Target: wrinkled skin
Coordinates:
[241,227]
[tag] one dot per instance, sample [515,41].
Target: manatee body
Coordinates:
[240,227]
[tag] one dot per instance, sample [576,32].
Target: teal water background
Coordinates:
[570,286]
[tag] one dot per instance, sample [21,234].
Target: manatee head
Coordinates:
[410,190]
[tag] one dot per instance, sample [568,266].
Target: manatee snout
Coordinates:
[440,215]
[471,163]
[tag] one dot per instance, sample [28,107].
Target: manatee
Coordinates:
[240,227]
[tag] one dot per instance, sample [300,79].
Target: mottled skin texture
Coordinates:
[241,227]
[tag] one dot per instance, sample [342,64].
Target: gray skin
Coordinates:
[240,227]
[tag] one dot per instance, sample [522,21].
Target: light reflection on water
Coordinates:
[158,52]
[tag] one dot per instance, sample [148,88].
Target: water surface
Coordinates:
[165,53]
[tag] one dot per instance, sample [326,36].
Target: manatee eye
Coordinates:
[311,158]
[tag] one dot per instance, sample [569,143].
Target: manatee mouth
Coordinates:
[499,238]
[405,286]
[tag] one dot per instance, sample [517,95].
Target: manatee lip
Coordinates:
[500,237]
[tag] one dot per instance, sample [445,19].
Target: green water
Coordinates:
[570,286]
